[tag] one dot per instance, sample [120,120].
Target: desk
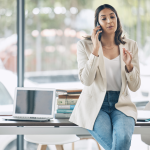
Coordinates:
[55,126]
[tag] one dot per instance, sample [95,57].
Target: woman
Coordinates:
[107,68]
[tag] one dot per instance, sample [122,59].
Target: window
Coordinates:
[8,63]
[8,55]
[52,31]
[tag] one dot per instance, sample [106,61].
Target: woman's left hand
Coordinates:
[127,57]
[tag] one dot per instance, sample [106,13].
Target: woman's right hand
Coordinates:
[95,40]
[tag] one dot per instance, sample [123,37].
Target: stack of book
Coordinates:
[66,102]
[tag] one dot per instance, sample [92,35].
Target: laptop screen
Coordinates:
[34,102]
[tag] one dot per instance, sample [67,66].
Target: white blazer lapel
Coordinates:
[122,67]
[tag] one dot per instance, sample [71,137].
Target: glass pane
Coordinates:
[52,31]
[8,56]
[8,64]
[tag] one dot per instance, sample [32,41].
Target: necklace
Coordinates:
[108,49]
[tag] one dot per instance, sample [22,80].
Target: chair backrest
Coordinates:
[5,98]
[145,138]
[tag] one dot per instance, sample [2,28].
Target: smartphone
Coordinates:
[100,34]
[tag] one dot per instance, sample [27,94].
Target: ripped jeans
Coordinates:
[112,129]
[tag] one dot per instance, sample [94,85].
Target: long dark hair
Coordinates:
[119,31]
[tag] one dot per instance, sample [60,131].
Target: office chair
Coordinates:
[57,140]
[146,138]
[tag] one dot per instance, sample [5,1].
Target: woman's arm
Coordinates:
[133,77]
[86,67]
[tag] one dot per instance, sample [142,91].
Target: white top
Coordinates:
[113,73]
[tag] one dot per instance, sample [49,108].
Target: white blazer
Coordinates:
[92,74]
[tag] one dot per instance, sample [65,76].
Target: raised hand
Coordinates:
[127,58]
[95,40]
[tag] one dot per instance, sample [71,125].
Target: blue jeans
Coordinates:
[112,129]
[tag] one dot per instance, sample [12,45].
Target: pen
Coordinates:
[147,120]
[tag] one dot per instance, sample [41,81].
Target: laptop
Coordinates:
[33,104]
[143,115]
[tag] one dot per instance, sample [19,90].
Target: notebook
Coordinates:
[68,91]
[33,104]
[143,115]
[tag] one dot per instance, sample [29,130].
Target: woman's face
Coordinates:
[108,21]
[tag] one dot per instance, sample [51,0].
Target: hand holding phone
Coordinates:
[96,37]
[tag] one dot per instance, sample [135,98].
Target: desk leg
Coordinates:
[20,142]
